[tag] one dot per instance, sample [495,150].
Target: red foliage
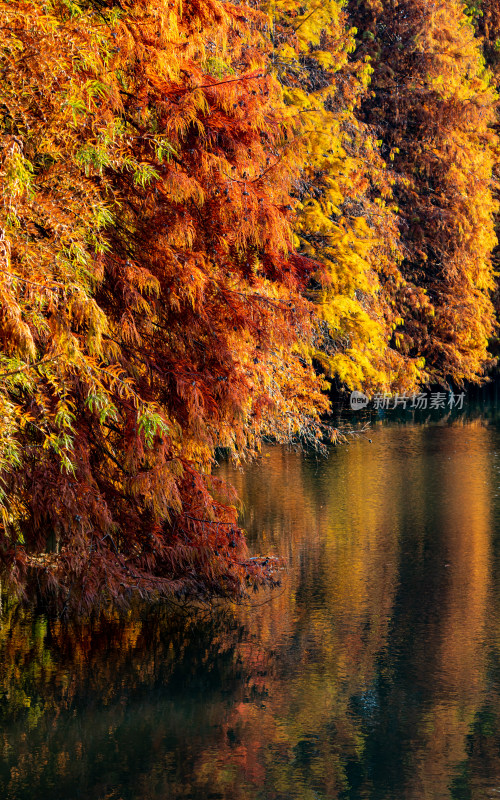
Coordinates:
[155,313]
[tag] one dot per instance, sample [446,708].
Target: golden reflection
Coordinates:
[337,523]
[369,661]
[451,660]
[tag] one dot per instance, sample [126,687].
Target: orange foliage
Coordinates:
[151,309]
[156,178]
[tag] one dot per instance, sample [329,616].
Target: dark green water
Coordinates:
[374,672]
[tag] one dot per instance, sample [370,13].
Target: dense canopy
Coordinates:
[210,210]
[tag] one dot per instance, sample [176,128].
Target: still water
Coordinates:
[373,672]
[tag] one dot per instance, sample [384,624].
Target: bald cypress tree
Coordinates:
[433,106]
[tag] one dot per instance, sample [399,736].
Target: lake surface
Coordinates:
[372,672]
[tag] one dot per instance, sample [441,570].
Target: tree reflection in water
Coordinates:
[372,673]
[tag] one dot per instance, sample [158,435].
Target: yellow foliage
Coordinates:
[340,220]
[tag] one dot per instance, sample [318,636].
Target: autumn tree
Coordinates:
[345,215]
[485,16]
[432,104]
[152,309]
